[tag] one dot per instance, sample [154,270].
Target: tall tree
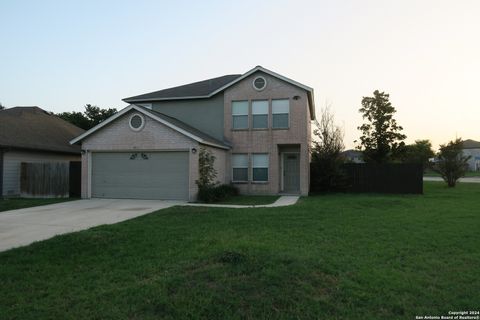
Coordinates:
[381,140]
[1,106]
[451,164]
[92,116]
[419,152]
[327,174]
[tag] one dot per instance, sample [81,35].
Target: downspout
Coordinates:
[1,173]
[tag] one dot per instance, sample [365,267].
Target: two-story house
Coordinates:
[257,124]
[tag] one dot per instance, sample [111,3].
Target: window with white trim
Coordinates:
[260,114]
[260,167]
[240,114]
[240,167]
[280,113]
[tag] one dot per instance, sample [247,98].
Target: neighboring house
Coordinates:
[353,156]
[30,134]
[472,148]
[257,125]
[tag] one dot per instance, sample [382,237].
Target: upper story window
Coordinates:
[260,167]
[260,114]
[280,113]
[240,167]
[240,114]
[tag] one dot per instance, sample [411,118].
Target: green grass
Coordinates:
[336,256]
[249,200]
[19,203]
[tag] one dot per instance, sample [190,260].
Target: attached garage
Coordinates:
[140,175]
[139,153]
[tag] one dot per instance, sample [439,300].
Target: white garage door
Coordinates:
[137,175]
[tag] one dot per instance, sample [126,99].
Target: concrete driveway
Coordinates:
[24,226]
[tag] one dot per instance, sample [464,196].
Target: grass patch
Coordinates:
[19,203]
[339,256]
[249,200]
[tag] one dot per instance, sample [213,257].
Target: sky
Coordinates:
[61,55]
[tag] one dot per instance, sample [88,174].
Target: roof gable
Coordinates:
[170,122]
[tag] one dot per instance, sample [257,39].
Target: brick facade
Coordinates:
[268,140]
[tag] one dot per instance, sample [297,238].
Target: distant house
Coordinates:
[472,148]
[30,134]
[353,156]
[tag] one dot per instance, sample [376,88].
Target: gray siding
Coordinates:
[13,159]
[204,114]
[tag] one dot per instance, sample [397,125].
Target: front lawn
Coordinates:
[19,203]
[337,256]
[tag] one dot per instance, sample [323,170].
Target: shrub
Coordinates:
[326,172]
[451,164]
[209,194]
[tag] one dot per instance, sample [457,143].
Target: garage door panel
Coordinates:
[163,175]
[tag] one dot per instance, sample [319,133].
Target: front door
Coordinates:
[291,172]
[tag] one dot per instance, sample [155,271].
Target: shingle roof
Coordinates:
[197,89]
[34,128]
[187,128]
[471,144]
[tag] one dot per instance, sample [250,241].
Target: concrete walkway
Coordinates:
[25,226]
[281,202]
[466,179]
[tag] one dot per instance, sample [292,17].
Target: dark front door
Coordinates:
[291,172]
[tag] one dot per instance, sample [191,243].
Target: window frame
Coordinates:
[253,167]
[261,114]
[247,167]
[288,114]
[241,115]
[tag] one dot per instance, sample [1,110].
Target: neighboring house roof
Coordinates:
[210,87]
[471,144]
[170,122]
[34,128]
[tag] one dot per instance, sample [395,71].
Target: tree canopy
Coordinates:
[381,140]
[92,116]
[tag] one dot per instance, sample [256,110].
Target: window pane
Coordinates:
[240,174]
[240,161]
[260,174]
[260,161]
[260,121]
[260,107]
[280,106]
[240,122]
[240,108]
[280,120]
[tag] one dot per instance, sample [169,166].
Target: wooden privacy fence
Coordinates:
[384,178]
[51,179]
